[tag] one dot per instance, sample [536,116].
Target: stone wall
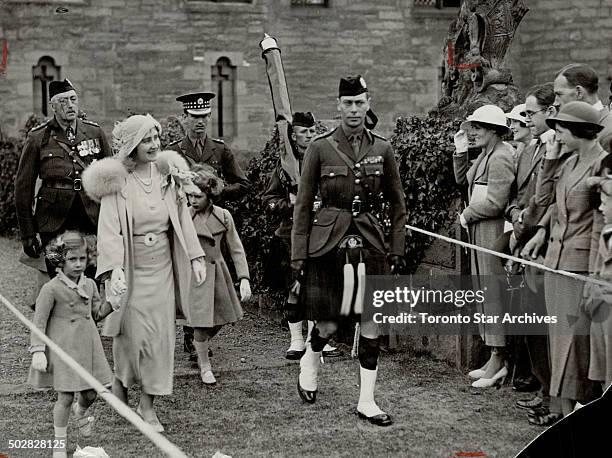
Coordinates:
[138,55]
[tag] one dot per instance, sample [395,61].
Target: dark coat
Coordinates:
[373,176]
[277,201]
[48,155]
[220,157]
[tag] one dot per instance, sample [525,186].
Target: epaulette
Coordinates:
[40,126]
[91,123]
[324,134]
[218,140]
[175,142]
[378,136]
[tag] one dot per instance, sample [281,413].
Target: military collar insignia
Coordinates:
[89,147]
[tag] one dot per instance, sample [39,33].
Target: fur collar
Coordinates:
[109,175]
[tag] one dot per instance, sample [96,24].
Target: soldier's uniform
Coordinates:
[220,156]
[352,190]
[61,203]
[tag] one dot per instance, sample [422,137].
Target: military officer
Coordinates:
[198,148]
[279,199]
[354,170]
[57,152]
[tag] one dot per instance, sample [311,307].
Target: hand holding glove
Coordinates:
[31,247]
[39,361]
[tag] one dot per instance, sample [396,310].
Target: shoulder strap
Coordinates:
[72,155]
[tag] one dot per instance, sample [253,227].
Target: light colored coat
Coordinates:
[105,180]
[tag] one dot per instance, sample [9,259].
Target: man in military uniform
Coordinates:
[198,148]
[279,199]
[57,152]
[354,170]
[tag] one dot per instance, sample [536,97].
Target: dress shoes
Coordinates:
[497,380]
[476,373]
[307,396]
[526,385]
[382,419]
[294,354]
[529,403]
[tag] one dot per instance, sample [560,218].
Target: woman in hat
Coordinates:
[571,157]
[521,134]
[489,180]
[146,246]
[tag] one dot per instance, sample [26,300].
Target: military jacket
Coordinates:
[277,200]
[59,163]
[219,156]
[331,168]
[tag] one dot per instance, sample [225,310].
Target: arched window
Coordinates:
[224,84]
[42,73]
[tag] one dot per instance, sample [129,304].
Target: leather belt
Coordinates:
[356,207]
[75,184]
[150,238]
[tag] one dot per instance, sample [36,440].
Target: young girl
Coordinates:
[214,303]
[65,310]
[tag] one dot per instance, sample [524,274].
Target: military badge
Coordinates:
[84,148]
[95,149]
[372,160]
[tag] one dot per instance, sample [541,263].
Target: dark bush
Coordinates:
[425,147]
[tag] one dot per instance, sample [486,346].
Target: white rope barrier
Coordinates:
[160,441]
[509,257]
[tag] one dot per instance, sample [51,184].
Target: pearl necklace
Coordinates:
[146,185]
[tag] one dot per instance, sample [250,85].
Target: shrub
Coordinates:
[425,147]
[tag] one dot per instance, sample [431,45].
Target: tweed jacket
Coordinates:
[576,223]
[496,169]
[106,181]
[219,156]
[48,155]
[331,169]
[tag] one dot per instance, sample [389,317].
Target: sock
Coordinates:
[60,431]
[297,340]
[202,351]
[310,326]
[309,369]
[366,404]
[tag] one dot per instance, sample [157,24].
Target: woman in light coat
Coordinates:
[145,238]
[489,180]
[572,225]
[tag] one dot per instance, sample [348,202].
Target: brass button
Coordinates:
[74,160]
[77,172]
[357,165]
[332,174]
[357,181]
[50,154]
[315,220]
[378,172]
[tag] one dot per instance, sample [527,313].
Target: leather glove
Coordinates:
[31,247]
[397,263]
[117,283]
[461,141]
[39,361]
[245,290]
[199,270]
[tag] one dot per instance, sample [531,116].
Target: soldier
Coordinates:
[198,148]
[57,152]
[354,170]
[279,199]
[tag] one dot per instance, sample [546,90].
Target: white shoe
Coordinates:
[497,380]
[208,377]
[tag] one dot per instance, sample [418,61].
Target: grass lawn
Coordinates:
[255,410]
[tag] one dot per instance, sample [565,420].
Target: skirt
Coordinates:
[321,293]
[144,350]
[569,344]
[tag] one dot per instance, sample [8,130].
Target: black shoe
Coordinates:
[528,404]
[333,353]
[307,396]
[526,385]
[382,419]
[548,419]
[538,411]
[294,354]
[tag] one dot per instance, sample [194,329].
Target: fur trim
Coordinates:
[168,158]
[103,177]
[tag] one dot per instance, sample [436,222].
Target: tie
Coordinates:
[199,148]
[70,134]
[356,144]
[538,145]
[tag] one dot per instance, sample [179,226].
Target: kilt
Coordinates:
[321,292]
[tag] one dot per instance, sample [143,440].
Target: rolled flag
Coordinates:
[282,105]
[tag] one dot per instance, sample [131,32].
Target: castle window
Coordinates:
[224,106]
[42,73]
